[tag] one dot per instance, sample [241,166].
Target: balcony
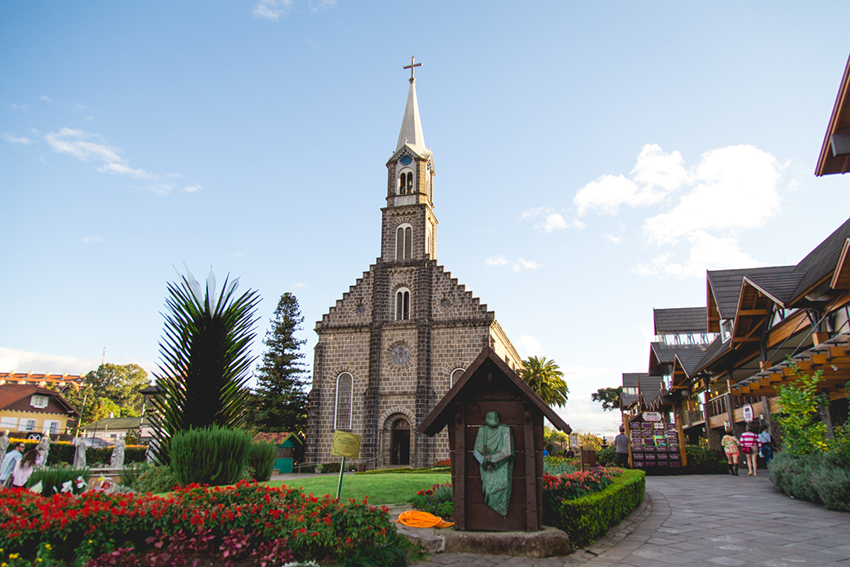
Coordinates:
[718,408]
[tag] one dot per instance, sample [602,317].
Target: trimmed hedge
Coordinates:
[587,518]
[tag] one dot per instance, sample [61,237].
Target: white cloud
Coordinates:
[317,5]
[272,9]
[553,220]
[299,285]
[19,106]
[736,188]
[707,252]
[14,360]
[47,99]
[655,175]
[16,140]
[87,118]
[523,264]
[611,238]
[121,169]
[497,261]
[92,239]
[193,188]
[86,146]
[528,345]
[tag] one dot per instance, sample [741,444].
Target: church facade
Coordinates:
[403,334]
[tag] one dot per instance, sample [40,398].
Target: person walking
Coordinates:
[23,470]
[9,461]
[766,444]
[750,449]
[621,443]
[731,447]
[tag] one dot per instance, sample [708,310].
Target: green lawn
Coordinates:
[381,488]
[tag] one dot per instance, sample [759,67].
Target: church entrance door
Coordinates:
[400,448]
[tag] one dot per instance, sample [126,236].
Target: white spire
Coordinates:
[411,127]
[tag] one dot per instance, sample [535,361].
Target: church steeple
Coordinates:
[409,224]
[411,126]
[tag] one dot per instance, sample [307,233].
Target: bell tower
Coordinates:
[409,227]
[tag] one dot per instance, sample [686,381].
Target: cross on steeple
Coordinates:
[412,66]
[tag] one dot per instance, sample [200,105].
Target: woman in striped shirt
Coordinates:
[750,448]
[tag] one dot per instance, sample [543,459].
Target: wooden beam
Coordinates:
[751,312]
[764,381]
[745,339]
[775,377]
[745,389]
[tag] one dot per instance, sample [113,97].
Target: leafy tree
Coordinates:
[111,389]
[590,441]
[552,436]
[205,359]
[803,432]
[546,379]
[280,402]
[610,397]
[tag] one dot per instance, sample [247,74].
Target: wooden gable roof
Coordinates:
[679,320]
[487,361]
[832,158]
[16,397]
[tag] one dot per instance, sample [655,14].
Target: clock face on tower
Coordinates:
[406,160]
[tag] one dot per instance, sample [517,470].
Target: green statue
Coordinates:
[494,451]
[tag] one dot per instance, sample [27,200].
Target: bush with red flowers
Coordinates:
[253,523]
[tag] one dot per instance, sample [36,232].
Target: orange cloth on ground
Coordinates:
[417,519]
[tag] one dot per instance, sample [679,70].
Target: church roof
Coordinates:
[411,125]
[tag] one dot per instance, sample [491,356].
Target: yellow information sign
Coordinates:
[346,445]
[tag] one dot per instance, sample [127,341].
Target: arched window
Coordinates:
[344,401]
[455,376]
[428,240]
[402,304]
[403,242]
[405,183]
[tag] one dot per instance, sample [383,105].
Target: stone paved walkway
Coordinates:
[705,521]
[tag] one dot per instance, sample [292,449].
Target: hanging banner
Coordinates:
[748,413]
[346,445]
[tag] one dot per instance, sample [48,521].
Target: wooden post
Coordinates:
[530,473]
[683,455]
[460,479]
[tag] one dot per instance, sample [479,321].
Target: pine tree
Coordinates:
[280,400]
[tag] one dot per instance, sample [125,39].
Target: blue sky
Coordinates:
[592,161]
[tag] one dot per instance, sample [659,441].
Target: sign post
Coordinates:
[344,445]
[747,410]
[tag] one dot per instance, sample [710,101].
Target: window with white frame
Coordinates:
[455,376]
[38,401]
[403,242]
[405,182]
[402,304]
[50,426]
[27,425]
[8,422]
[344,401]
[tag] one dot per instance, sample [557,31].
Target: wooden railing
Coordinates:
[722,403]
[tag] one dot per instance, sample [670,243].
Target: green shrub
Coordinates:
[60,453]
[261,458]
[437,500]
[131,472]
[558,465]
[606,456]
[210,455]
[816,477]
[155,479]
[52,479]
[703,460]
[407,471]
[587,518]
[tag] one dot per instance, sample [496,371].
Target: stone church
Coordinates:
[395,343]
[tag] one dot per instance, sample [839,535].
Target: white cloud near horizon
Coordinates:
[707,252]
[528,345]
[15,360]
[497,261]
[92,239]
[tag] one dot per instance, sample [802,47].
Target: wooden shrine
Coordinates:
[490,385]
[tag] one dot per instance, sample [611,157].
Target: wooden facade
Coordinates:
[491,385]
[756,319]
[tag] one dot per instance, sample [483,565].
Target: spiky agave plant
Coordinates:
[205,359]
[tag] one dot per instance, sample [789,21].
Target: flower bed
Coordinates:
[580,505]
[436,500]
[249,522]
